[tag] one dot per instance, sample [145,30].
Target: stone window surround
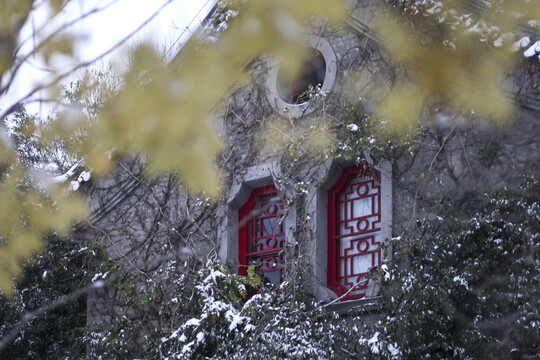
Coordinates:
[252,218]
[317,210]
[239,193]
[298,110]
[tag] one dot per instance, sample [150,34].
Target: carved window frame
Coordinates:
[317,211]
[239,193]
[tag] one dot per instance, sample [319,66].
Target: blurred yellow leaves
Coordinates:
[58,45]
[446,63]
[27,212]
[316,137]
[402,107]
[166,111]
[29,207]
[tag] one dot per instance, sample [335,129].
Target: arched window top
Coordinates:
[357,171]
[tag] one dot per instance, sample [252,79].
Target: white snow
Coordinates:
[234,319]
[373,343]
[458,279]
[498,42]
[192,322]
[386,272]
[533,50]
[64,177]
[521,43]
[74,185]
[98,284]
[84,176]
[214,275]
[394,350]
[435,9]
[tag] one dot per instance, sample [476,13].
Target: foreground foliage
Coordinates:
[161,108]
[214,318]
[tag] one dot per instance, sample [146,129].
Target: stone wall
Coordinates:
[140,224]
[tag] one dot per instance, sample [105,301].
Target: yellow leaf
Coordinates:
[402,108]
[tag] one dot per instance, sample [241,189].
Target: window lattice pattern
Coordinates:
[355,232]
[359,233]
[265,236]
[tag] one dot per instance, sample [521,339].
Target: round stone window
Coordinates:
[289,95]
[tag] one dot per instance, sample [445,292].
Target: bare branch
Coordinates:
[82,65]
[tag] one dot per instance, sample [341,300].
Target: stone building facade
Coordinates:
[287,204]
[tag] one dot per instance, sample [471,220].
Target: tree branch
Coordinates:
[82,65]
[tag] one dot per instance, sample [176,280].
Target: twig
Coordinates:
[342,296]
[421,185]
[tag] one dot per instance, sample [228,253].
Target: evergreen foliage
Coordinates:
[58,271]
[467,288]
[457,288]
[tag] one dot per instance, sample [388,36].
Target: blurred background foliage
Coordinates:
[455,54]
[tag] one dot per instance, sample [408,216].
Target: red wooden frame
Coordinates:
[358,234]
[261,234]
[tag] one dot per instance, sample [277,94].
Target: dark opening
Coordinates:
[311,72]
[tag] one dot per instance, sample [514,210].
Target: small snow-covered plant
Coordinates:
[217,300]
[314,94]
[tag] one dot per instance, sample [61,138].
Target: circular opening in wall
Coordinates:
[288,92]
[310,74]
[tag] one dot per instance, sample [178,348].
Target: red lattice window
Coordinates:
[261,235]
[354,231]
